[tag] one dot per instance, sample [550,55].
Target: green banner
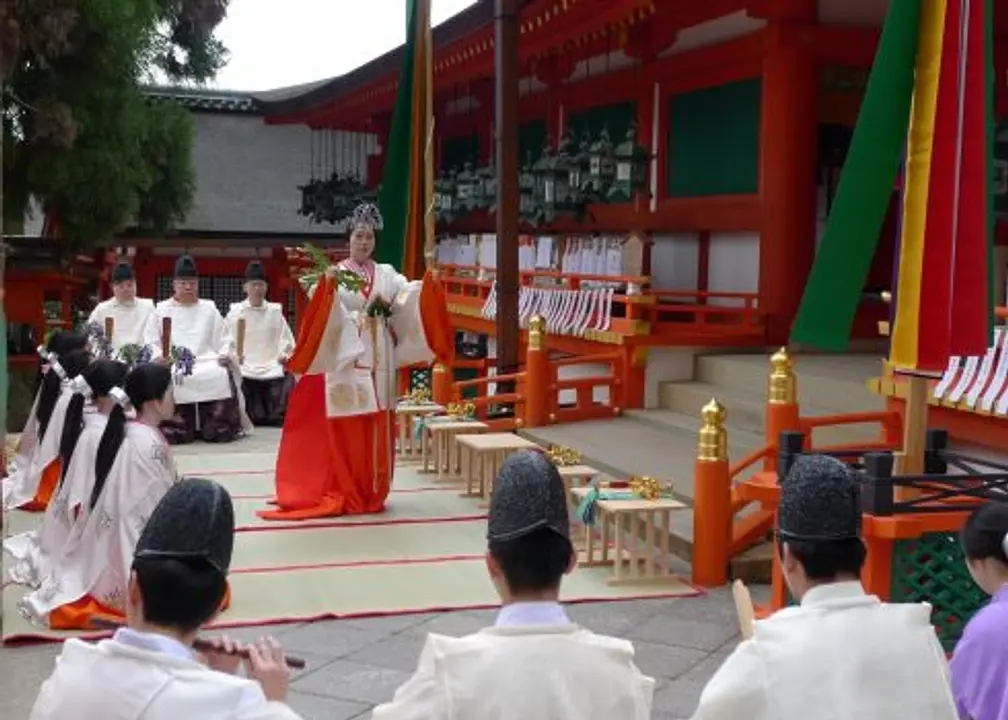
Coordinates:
[841,267]
[393,198]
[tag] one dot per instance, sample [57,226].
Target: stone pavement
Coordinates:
[355,664]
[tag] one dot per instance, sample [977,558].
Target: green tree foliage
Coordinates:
[79,133]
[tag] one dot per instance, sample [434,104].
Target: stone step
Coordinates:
[835,383]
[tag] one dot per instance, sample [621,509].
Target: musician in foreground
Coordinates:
[124,311]
[207,402]
[149,670]
[840,653]
[363,323]
[264,342]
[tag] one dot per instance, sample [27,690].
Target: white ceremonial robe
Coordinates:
[26,443]
[267,337]
[361,355]
[129,320]
[115,681]
[98,563]
[524,668]
[841,655]
[33,551]
[20,487]
[201,329]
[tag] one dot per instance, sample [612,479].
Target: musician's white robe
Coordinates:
[116,681]
[841,655]
[129,320]
[560,672]
[267,337]
[98,565]
[33,551]
[20,487]
[200,329]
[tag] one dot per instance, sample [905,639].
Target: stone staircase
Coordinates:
[662,442]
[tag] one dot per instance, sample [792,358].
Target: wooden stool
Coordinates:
[635,559]
[409,446]
[576,476]
[437,444]
[482,455]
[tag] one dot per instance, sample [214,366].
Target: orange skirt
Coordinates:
[47,486]
[328,467]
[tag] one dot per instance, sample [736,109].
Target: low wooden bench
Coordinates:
[633,537]
[408,445]
[481,457]
[576,476]
[438,447]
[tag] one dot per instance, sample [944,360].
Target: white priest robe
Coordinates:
[841,655]
[26,443]
[129,320]
[34,551]
[113,680]
[98,564]
[525,667]
[19,488]
[201,329]
[267,337]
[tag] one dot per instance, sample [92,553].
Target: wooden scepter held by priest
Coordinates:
[166,338]
[109,328]
[240,341]
[744,608]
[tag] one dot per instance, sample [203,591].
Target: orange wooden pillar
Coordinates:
[788,159]
[537,375]
[712,505]
[441,384]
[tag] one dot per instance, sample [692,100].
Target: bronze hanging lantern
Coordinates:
[631,160]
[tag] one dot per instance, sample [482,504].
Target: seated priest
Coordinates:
[207,402]
[839,653]
[264,342]
[124,312]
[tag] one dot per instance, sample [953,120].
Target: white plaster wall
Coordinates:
[733,265]
[666,365]
[674,261]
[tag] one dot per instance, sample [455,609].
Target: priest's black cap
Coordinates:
[528,495]
[193,522]
[185,267]
[122,272]
[255,271]
[820,501]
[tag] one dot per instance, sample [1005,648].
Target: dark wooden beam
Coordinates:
[506,32]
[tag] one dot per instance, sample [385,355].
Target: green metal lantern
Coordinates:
[527,205]
[631,162]
[602,164]
[444,197]
[487,174]
[466,186]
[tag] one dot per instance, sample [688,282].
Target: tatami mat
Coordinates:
[424,553]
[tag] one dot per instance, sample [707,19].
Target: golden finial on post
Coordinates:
[712,438]
[783,386]
[537,330]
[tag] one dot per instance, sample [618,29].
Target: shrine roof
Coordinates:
[206,99]
[291,100]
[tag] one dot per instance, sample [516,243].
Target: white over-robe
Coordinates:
[115,681]
[98,564]
[841,655]
[201,329]
[361,354]
[267,337]
[20,487]
[129,320]
[560,672]
[26,443]
[34,551]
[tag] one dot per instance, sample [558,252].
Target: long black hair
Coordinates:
[59,343]
[145,382]
[96,381]
[62,366]
[985,534]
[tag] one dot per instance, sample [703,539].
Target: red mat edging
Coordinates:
[358,564]
[405,491]
[335,523]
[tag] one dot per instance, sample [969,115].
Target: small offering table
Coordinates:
[639,533]
[409,446]
[575,476]
[437,444]
[481,457]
